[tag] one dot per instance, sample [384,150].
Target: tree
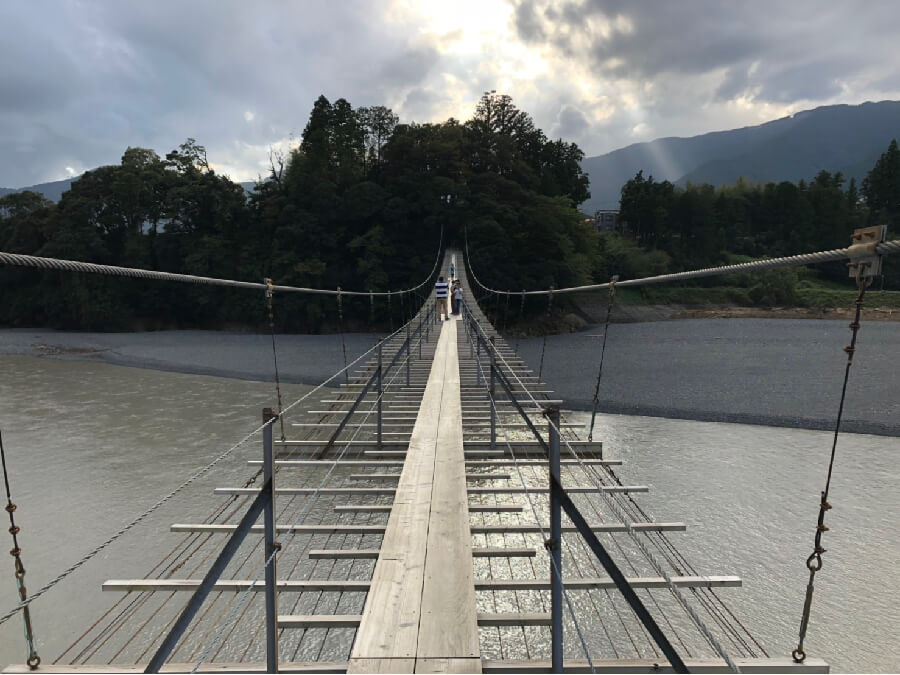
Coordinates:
[189,158]
[378,123]
[26,221]
[881,188]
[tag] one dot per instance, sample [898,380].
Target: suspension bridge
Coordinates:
[428,508]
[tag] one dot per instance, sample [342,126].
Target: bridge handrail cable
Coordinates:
[850,252]
[21,260]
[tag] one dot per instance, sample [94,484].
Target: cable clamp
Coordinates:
[865,262]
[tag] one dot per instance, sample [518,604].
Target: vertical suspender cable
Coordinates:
[609,306]
[521,312]
[269,294]
[544,344]
[390,312]
[33,659]
[506,314]
[814,561]
[340,306]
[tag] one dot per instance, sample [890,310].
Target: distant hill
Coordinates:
[846,138]
[53,191]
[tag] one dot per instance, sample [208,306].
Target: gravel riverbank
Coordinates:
[302,359]
[778,372]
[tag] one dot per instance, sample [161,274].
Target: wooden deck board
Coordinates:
[413,611]
[390,619]
[448,626]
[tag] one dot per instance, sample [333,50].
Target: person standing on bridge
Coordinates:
[457,297]
[452,272]
[442,291]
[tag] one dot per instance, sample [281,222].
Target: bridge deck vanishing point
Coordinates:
[430,539]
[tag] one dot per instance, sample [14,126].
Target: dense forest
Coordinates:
[668,228]
[361,203]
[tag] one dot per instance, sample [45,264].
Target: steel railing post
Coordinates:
[270,546]
[555,543]
[380,390]
[206,585]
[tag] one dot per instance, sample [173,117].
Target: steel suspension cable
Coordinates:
[857,251]
[20,260]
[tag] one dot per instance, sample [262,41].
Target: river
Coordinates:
[90,445]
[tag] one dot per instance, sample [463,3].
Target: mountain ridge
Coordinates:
[783,149]
[53,190]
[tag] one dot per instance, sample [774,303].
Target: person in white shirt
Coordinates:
[441,292]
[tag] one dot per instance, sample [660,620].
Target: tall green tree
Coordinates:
[881,188]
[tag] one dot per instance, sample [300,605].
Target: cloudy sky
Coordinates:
[81,80]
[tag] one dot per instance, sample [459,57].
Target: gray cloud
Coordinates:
[422,104]
[81,80]
[85,79]
[410,68]
[780,51]
[571,122]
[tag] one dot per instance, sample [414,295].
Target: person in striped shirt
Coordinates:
[442,291]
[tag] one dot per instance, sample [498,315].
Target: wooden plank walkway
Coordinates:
[420,612]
